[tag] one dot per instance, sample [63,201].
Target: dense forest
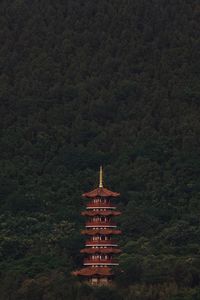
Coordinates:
[85,82]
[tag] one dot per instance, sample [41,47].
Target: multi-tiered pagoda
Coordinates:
[100,247]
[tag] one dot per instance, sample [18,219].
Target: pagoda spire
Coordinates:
[101,177]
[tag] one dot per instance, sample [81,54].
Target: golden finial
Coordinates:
[101,177]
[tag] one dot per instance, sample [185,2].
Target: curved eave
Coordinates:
[100,192]
[91,271]
[101,231]
[101,250]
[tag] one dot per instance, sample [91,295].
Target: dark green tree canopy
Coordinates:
[88,82]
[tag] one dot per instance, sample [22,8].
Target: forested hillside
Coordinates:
[85,82]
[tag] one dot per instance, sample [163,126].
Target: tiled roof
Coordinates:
[101,231]
[100,192]
[91,271]
[101,212]
[107,250]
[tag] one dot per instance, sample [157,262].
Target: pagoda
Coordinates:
[100,247]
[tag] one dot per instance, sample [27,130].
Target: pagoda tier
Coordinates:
[100,240]
[100,248]
[99,261]
[100,205]
[98,223]
[101,231]
[107,250]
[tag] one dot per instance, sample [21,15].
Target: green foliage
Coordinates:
[89,82]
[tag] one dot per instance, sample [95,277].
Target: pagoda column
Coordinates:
[101,247]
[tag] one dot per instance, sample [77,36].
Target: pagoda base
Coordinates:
[94,271]
[96,276]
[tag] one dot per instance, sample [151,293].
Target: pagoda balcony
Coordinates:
[110,261]
[100,205]
[101,242]
[100,224]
